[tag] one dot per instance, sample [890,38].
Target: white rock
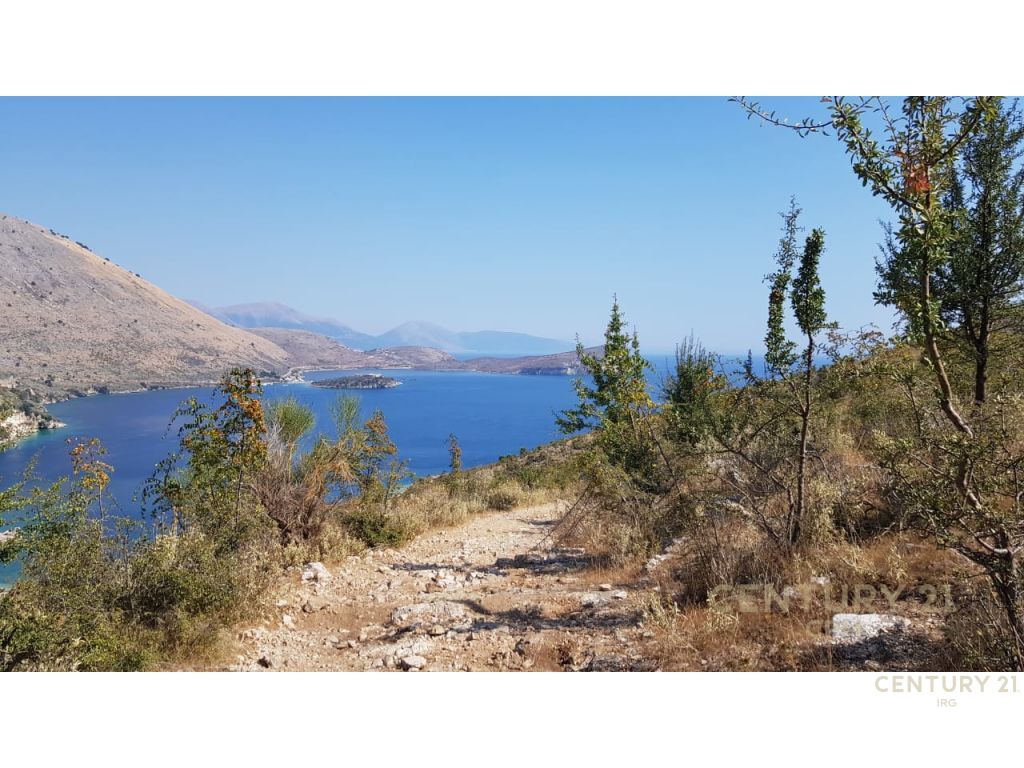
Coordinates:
[8,535]
[620,594]
[414,662]
[288,621]
[439,612]
[315,572]
[854,627]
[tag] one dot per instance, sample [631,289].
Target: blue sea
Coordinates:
[492,415]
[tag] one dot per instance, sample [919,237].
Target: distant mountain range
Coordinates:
[76,323]
[272,314]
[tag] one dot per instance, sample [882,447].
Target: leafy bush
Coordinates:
[102,591]
[375,528]
[504,497]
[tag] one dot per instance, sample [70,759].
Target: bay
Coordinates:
[492,415]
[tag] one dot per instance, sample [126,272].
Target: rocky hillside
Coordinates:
[427,358]
[307,350]
[561,364]
[74,322]
[273,314]
[21,416]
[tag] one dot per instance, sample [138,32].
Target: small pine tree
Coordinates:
[618,407]
[787,361]
[453,480]
[454,454]
[689,392]
[619,393]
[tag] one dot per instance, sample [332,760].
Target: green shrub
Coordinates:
[504,497]
[375,528]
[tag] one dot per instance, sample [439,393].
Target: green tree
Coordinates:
[206,481]
[790,367]
[454,480]
[689,391]
[808,303]
[619,394]
[454,455]
[961,486]
[910,168]
[288,421]
[66,611]
[978,284]
[618,406]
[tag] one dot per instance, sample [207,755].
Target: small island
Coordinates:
[363,381]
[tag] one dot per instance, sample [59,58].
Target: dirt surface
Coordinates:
[498,594]
[494,594]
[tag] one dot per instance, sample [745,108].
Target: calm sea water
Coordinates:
[492,415]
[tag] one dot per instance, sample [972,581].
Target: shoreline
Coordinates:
[293,375]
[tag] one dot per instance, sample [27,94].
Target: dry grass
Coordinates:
[748,628]
[709,639]
[447,501]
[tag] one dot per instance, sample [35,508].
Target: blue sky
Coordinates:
[507,214]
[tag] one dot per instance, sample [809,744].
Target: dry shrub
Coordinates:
[334,543]
[977,634]
[724,549]
[504,497]
[609,539]
[891,559]
[712,638]
[616,531]
[430,505]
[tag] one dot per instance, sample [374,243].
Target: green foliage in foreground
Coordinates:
[103,591]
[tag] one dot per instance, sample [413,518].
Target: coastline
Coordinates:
[22,425]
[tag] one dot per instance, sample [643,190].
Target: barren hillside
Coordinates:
[561,364]
[311,350]
[306,349]
[74,321]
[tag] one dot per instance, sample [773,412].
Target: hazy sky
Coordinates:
[507,214]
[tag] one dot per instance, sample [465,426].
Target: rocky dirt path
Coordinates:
[494,594]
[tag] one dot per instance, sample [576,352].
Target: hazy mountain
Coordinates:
[313,350]
[73,320]
[479,342]
[422,335]
[507,342]
[272,314]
